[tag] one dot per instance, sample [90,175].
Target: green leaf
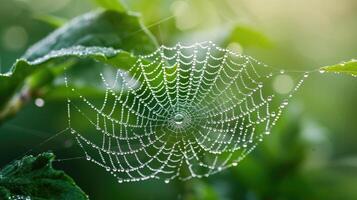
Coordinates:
[105,36]
[34,177]
[111,4]
[109,28]
[106,55]
[349,67]
[24,68]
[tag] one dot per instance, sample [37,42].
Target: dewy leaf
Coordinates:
[113,29]
[98,35]
[24,68]
[34,178]
[349,67]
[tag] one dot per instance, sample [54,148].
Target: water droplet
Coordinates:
[39,102]
[322,71]
[285,102]
[269,98]
[167,181]
[178,118]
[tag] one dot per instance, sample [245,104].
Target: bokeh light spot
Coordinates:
[14,38]
[185,15]
[283,84]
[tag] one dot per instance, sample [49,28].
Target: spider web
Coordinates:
[178,113]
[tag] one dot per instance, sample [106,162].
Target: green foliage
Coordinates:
[106,36]
[277,170]
[349,67]
[109,28]
[35,177]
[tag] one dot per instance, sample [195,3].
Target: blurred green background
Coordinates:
[312,153]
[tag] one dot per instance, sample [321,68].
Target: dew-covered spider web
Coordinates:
[178,113]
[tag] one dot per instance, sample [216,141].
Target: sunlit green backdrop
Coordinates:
[312,153]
